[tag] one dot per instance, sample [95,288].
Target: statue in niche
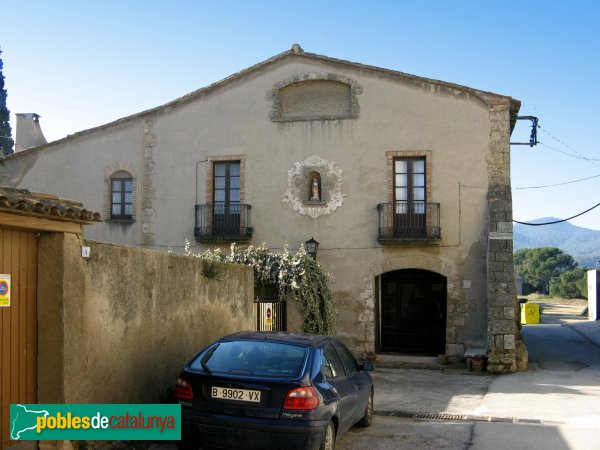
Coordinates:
[315,197]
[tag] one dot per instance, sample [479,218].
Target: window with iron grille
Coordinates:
[409,213]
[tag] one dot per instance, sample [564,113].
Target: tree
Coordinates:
[538,266]
[570,284]
[6,141]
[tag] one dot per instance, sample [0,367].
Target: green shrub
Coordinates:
[299,274]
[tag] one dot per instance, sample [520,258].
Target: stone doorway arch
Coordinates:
[413,312]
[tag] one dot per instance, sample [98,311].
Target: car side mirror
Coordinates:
[368,366]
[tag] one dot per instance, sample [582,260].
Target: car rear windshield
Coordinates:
[254,358]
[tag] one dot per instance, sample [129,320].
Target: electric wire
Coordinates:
[557,221]
[576,155]
[579,155]
[558,184]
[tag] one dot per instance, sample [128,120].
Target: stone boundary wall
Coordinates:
[118,326]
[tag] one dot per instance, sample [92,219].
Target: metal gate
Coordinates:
[270,313]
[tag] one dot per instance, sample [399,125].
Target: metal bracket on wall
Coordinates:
[534,125]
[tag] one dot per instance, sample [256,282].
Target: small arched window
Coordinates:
[121,196]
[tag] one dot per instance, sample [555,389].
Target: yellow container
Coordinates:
[530,313]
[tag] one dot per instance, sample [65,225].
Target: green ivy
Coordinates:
[299,274]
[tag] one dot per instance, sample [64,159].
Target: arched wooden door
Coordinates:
[413,312]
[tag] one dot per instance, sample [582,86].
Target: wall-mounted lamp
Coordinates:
[312,247]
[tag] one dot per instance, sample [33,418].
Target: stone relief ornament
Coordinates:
[331,195]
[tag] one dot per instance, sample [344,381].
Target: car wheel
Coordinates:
[187,444]
[367,419]
[329,440]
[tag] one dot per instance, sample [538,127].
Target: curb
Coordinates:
[467,418]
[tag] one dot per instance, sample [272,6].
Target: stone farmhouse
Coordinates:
[404,181]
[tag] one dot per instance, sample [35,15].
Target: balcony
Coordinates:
[223,223]
[403,222]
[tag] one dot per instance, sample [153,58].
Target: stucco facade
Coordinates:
[298,117]
[117,327]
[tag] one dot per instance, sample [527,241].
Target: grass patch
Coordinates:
[546,299]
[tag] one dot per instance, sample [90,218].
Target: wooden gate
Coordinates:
[18,330]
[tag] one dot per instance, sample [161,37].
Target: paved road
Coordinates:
[557,344]
[560,348]
[553,406]
[390,433]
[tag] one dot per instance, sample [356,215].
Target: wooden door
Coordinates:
[413,312]
[18,329]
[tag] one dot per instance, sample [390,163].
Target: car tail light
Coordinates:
[184,389]
[301,398]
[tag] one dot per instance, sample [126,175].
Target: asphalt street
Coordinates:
[555,405]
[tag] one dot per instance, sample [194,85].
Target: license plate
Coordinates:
[242,395]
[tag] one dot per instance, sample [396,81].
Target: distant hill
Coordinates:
[582,244]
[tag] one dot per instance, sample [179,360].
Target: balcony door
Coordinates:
[409,197]
[226,198]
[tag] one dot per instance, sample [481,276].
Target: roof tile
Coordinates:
[39,204]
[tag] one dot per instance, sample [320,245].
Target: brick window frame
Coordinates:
[391,156]
[210,175]
[109,171]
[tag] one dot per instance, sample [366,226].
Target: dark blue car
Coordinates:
[257,390]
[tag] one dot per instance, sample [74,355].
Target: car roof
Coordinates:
[305,339]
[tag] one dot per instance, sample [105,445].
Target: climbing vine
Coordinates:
[299,274]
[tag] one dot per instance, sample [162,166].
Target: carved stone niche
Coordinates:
[314,183]
[300,189]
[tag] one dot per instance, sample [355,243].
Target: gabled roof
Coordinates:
[23,202]
[489,98]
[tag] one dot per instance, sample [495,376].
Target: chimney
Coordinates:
[29,132]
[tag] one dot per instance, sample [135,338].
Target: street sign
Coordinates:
[269,314]
[4,290]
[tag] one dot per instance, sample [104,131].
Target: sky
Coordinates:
[80,64]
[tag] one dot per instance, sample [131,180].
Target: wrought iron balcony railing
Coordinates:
[222,222]
[406,221]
